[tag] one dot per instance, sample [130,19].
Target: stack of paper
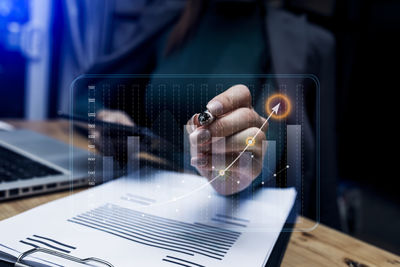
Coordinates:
[166,219]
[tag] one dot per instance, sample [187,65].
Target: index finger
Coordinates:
[235,97]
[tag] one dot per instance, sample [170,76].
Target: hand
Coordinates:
[113,116]
[236,121]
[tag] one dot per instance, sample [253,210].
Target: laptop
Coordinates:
[31,163]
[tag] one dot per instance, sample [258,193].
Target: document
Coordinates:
[157,218]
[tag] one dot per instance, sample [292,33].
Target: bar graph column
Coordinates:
[246,164]
[91,137]
[108,169]
[186,149]
[218,158]
[246,173]
[133,164]
[269,163]
[294,177]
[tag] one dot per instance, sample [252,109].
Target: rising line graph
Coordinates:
[222,172]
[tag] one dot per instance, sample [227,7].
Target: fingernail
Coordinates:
[195,121]
[203,135]
[192,123]
[215,107]
[198,161]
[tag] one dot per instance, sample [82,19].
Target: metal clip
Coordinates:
[19,263]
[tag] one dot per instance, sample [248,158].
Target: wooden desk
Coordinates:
[321,247]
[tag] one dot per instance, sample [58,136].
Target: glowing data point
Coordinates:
[222,172]
[238,182]
[250,141]
[278,106]
[262,182]
[274,174]
[287,166]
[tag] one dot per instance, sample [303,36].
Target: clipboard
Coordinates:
[275,258]
[21,262]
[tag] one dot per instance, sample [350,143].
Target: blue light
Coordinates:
[5,8]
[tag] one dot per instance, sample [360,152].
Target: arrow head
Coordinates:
[276,108]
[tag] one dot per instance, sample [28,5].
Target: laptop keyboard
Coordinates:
[14,166]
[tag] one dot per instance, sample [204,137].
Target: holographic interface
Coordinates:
[161,134]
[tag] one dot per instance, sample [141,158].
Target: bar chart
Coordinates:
[164,104]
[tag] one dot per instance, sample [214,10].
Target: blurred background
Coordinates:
[37,38]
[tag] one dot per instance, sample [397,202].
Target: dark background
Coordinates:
[367,82]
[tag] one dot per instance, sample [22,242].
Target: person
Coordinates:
[233,37]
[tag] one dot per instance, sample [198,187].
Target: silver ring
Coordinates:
[205,118]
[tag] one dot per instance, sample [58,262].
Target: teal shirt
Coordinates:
[227,40]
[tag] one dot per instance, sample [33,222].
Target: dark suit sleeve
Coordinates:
[313,53]
[321,62]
